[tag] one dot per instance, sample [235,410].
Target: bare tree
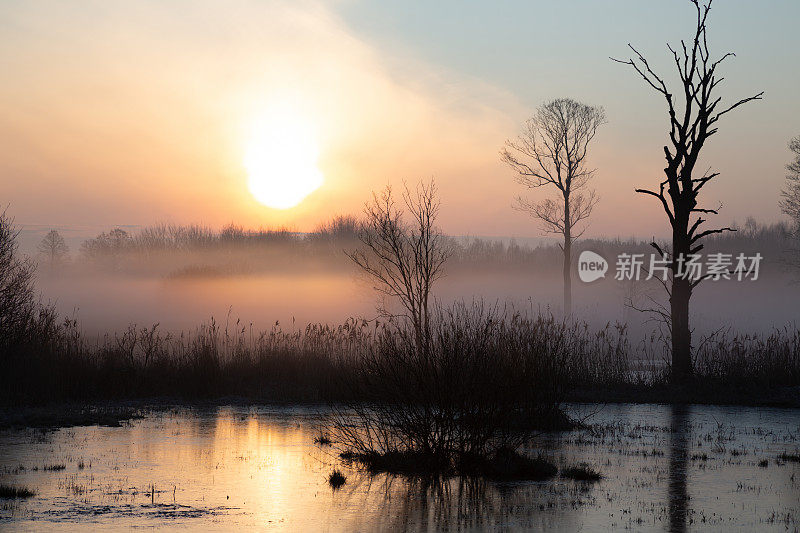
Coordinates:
[551,151]
[790,202]
[693,117]
[404,260]
[18,305]
[53,248]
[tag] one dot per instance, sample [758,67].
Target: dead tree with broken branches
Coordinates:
[694,112]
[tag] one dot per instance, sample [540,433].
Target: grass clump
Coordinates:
[336,479]
[396,462]
[460,398]
[508,465]
[582,472]
[12,492]
[323,440]
[790,457]
[505,464]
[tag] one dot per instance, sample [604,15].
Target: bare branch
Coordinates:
[404,260]
[661,197]
[688,132]
[708,232]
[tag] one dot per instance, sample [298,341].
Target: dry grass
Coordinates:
[336,479]
[581,472]
[485,378]
[12,492]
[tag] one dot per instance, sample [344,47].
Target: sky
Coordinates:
[134,113]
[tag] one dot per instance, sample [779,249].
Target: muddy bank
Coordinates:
[787,397]
[116,413]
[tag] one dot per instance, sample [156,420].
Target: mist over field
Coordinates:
[296,280]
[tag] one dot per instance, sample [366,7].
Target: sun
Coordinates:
[281,159]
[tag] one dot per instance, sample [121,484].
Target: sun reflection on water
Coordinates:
[258,468]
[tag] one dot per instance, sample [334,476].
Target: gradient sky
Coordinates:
[131,113]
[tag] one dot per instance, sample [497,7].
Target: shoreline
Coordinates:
[114,413]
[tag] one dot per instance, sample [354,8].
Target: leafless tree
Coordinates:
[790,202]
[53,248]
[404,259]
[22,317]
[551,151]
[16,283]
[694,111]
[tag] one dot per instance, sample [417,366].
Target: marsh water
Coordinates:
[225,468]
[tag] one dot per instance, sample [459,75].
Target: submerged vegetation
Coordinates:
[790,457]
[11,492]
[502,464]
[323,439]
[336,479]
[581,472]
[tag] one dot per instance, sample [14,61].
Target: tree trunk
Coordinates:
[567,260]
[679,305]
[681,334]
[693,119]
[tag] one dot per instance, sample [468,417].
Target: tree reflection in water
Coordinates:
[457,504]
[680,436]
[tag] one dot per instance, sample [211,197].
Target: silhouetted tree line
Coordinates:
[790,196]
[330,241]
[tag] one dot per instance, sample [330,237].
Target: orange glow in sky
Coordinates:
[272,113]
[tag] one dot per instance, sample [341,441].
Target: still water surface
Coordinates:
[664,468]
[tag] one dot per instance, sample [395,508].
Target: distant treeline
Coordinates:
[200,250]
[170,237]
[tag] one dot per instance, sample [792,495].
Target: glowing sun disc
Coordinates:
[281,160]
